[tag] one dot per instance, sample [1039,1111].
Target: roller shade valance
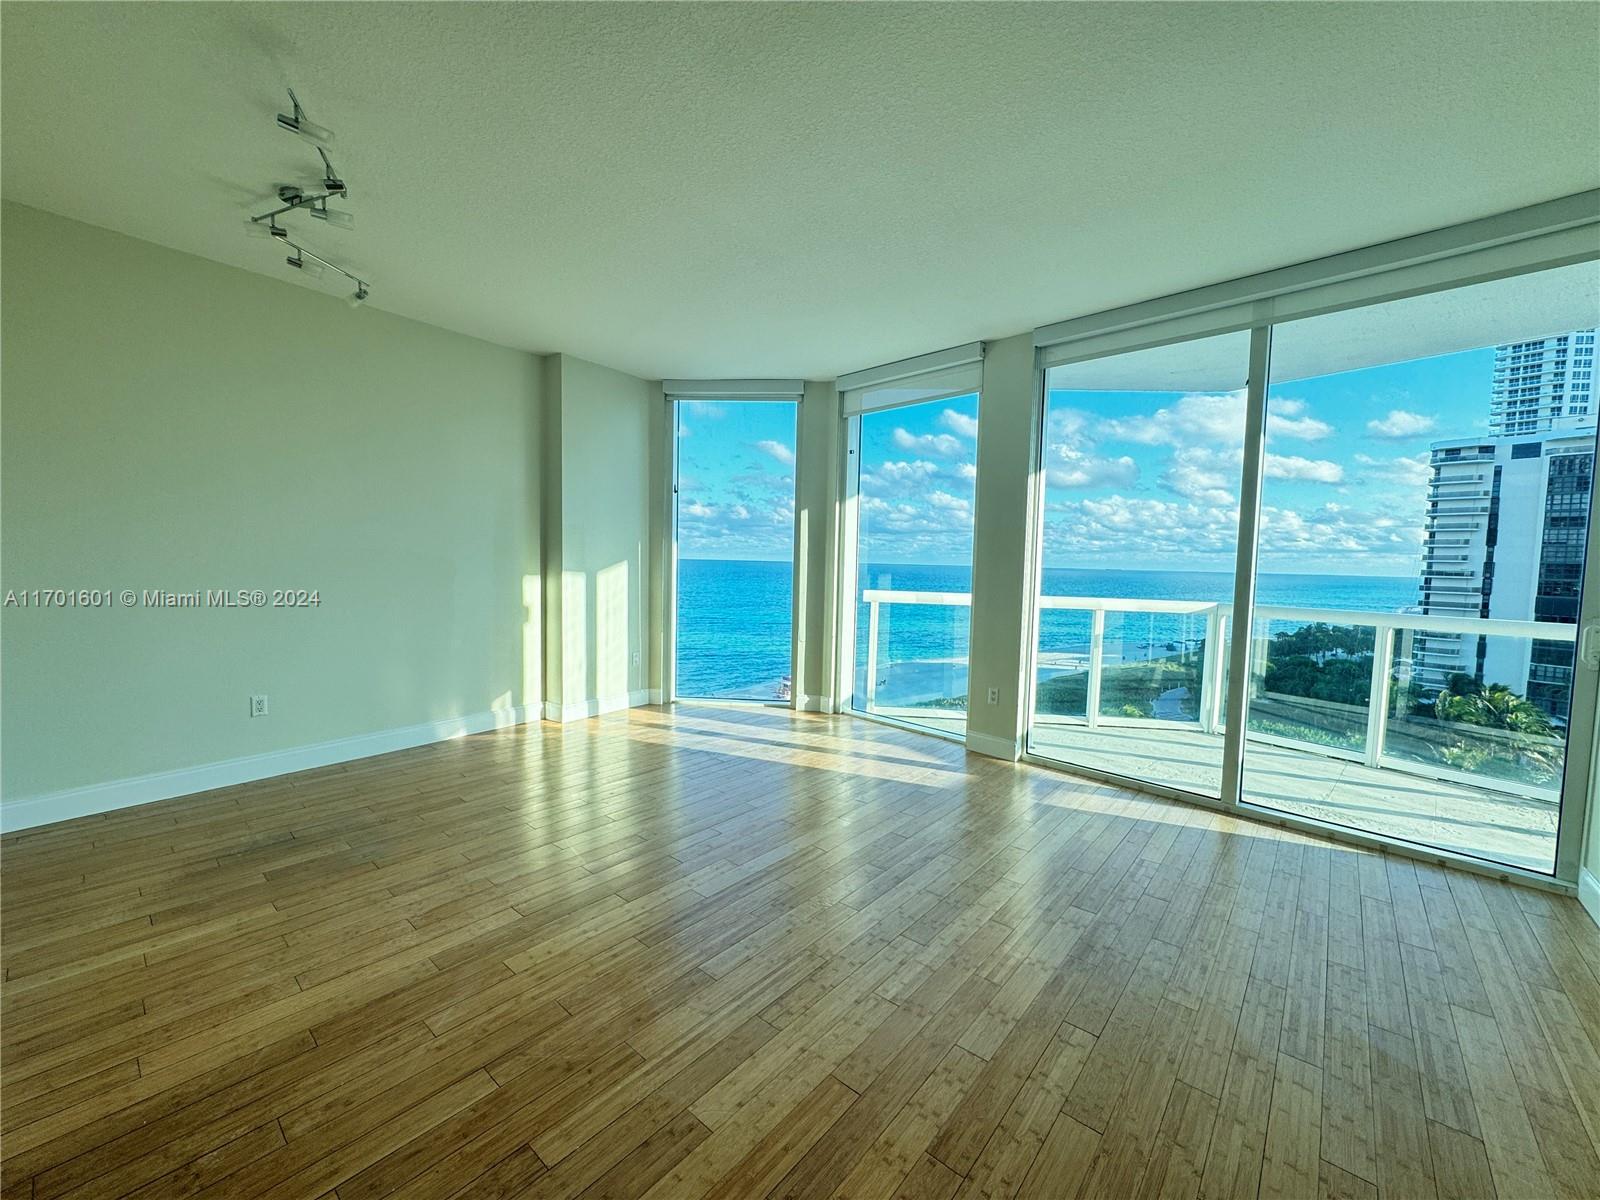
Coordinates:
[937,376]
[1556,233]
[733,389]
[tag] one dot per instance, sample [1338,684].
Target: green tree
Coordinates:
[1494,707]
[1339,680]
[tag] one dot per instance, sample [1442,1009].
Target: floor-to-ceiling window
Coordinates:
[914,468]
[1439,518]
[1140,458]
[735,548]
[1414,566]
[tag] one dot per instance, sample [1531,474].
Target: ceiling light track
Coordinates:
[298,259]
[293,198]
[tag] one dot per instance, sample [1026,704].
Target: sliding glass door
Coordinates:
[1140,460]
[914,478]
[1418,686]
[1415,565]
[734,548]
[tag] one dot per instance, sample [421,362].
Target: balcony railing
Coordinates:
[1371,746]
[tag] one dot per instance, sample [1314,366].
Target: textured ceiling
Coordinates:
[734,190]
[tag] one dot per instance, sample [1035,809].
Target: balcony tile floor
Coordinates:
[1378,801]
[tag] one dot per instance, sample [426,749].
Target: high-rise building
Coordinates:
[1478,487]
[1543,385]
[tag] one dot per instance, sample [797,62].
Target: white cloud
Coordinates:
[1412,470]
[1288,419]
[1070,460]
[1335,528]
[695,509]
[1204,475]
[1312,470]
[959,423]
[777,450]
[967,471]
[1070,467]
[1211,420]
[1070,423]
[958,507]
[739,513]
[941,444]
[1211,476]
[1134,531]
[1401,424]
[899,473]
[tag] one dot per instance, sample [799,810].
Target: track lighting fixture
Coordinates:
[312,269]
[256,228]
[333,216]
[330,177]
[297,199]
[315,266]
[298,124]
[294,198]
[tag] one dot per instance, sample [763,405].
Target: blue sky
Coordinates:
[1152,479]
[736,479]
[1143,480]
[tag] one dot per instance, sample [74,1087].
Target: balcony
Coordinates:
[1152,707]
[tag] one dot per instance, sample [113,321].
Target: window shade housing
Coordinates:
[937,376]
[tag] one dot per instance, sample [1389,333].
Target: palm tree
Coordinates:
[1496,707]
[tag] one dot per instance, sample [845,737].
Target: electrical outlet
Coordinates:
[258,706]
[994,695]
[636,658]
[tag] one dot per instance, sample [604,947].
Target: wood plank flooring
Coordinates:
[722,952]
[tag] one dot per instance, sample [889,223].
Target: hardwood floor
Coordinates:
[739,953]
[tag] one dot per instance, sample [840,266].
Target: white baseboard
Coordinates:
[994,747]
[655,696]
[584,709]
[1589,893]
[50,807]
[804,703]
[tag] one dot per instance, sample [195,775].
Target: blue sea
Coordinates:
[734,617]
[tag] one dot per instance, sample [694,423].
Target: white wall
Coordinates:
[1008,424]
[170,423]
[597,519]
[819,436]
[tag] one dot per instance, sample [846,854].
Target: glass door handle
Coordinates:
[1589,646]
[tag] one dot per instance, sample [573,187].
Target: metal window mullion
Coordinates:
[845,591]
[1244,575]
[1578,780]
[669,642]
[1028,690]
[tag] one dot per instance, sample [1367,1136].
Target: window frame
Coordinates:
[1558,233]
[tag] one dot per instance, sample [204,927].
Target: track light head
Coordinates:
[310,268]
[333,216]
[330,178]
[297,123]
[265,227]
[360,295]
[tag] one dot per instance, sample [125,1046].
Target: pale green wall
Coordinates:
[819,435]
[662,508]
[1008,423]
[597,520]
[172,423]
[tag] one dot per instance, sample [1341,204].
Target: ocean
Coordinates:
[734,619]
